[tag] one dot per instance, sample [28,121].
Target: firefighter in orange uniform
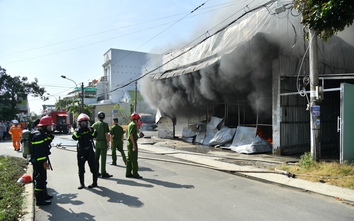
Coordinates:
[16,133]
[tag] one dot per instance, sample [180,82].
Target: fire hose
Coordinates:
[236,172]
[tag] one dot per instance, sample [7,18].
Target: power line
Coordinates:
[111,30]
[156,36]
[247,12]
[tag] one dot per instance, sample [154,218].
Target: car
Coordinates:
[148,122]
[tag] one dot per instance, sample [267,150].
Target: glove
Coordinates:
[141,134]
[78,133]
[51,136]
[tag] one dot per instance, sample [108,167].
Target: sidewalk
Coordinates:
[216,160]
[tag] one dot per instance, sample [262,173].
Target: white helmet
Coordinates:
[15,121]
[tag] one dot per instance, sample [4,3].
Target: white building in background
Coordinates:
[118,85]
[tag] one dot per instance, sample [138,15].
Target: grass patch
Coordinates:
[11,192]
[332,173]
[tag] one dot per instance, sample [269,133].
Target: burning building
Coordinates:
[255,72]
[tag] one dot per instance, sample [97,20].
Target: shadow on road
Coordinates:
[56,212]
[167,184]
[116,197]
[131,182]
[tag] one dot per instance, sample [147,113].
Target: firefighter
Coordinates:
[41,144]
[132,146]
[102,143]
[16,132]
[85,149]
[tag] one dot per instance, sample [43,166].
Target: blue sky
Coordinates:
[46,39]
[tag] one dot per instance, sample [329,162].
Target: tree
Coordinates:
[75,108]
[14,90]
[121,112]
[326,17]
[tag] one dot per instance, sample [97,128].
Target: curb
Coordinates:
[29,199]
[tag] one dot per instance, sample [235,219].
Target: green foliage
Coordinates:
[306,160]
[131,105]
[326,17]
[74,106]
[11,197]
[331,173]
[122,112]
[4,111]
[13,91]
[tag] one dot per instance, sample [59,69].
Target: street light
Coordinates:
[82,91]
[56,99]
[63,76]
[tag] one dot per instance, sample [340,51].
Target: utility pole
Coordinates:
[315,98]
[82,97]
[136,96]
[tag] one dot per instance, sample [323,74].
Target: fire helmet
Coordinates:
[45,121]
[25,179]
[82,117]
[101,115]
[135,116]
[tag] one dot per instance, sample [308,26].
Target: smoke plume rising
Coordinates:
[243,75]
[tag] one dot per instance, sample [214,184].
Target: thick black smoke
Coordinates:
[243,75]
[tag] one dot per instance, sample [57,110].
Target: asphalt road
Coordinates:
[173,191]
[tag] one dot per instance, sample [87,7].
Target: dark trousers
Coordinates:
[82,157]
[39,176]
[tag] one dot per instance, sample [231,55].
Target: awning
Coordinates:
[62,115]
[210,50]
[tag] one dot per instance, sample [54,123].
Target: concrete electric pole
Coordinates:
[315,98]
[136,96]
[82,97]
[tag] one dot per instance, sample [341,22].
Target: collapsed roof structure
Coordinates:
[254,72]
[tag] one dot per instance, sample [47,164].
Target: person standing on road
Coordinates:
[6,131]
[41,144]
[85,149]
[2,130]
[102,143]
[132,146]
[117,138]
[16,132]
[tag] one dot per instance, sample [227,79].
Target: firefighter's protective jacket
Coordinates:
[41,145]
[85,137]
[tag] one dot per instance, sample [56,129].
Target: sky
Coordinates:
[46,39]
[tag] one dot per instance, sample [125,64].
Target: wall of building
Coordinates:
[291,119]
[122,67]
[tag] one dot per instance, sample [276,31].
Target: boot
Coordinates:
[94,183]
[82,182]
[40,201]
[46,196]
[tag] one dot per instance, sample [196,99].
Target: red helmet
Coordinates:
[25,179]
[82,117]
[45,121]
[135,116]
